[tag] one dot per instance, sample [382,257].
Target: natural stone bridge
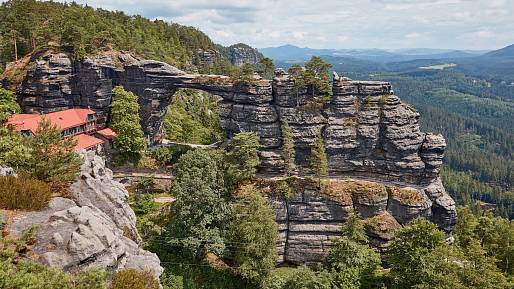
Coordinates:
[368,133]
[366,129]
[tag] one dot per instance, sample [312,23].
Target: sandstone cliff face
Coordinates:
[366,128]
[94,227]
[312,217]
[368,132]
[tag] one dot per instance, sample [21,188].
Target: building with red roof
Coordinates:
[78,123]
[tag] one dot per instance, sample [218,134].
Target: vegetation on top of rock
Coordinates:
[314,77]
[130,141]
[134,279]
[23,193]
[29,25]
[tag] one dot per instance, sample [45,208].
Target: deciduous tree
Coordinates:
[200,211]
[130,141]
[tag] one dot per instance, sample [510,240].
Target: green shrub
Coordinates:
[93,278]
[135,279]
[23,193]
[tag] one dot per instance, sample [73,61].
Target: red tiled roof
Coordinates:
[85,141]
[107,133]
[63,119]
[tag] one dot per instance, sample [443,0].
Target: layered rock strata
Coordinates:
[94,227]
[367,131]
[311,217]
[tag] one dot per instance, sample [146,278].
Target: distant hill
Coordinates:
[498,64]
[506,52]
[291,53]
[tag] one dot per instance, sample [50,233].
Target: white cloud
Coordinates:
[337,23]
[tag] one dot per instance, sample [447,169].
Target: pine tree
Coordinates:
[268,68]
[288,149]
[253,226]
[243,157]
[130,141]
[318,159]
[53,158]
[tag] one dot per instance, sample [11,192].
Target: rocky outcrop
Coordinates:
[94,227]
[367,131]
[312,217]
[239,54]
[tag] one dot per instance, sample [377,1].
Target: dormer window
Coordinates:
[90,117]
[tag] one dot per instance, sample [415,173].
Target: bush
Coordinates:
[135,279]
[93,278]
[23,193]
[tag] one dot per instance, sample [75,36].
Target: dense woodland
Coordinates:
[29,25]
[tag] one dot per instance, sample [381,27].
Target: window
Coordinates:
[90,117]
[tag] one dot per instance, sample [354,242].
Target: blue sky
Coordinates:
[389,24]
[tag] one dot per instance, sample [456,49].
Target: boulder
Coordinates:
[93,227]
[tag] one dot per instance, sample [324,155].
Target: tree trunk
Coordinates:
[15,45]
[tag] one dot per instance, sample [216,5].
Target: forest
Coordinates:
[27,26]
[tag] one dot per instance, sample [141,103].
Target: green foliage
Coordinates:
[85,30]
[15,151]
[351,260]
[142,204]
[243,157]
[170,281]
[134,279]
[23,193]
[353,229]
[277,278]
[267,68]
[193,117]
[316,75]
[200,211]
[27,274]
[288,149]
[420,258]
[408,249]
[307,279]
[53,158]
[254,229]
[8,104]
[93,278]
[318,160]
[130,141]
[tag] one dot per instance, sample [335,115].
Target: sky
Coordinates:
[386,24]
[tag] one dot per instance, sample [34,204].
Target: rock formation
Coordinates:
[240,54]
[311,217]
[94,227]
[368,132]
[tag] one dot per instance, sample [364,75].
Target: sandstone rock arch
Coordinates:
[368,133]
[366,128]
